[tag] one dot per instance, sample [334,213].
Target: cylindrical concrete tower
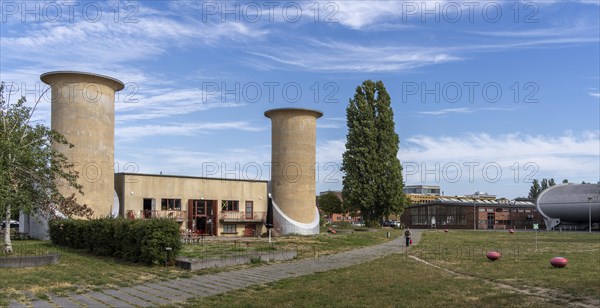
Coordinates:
[83,110]
[293,157]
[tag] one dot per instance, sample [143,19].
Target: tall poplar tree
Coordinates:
[373,174]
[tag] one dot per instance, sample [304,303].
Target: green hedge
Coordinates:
[140,241]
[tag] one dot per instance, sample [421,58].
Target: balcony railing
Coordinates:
[227,216]
[146,214]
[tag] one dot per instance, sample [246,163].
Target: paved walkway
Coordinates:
[181,289]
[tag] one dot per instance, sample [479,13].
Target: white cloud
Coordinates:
[447,111]
[319,56]
[187,129]
[466,163]
[233,163]
[166,102]
[359,15]
[594,94]
[569,155]
[107,42]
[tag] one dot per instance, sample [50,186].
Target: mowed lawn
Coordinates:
[76,272]
[80,272]
[400,280]
[523,264]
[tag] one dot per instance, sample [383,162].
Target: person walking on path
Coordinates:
[407,235]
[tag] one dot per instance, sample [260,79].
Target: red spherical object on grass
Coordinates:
[446,230]
[559,262]
[493,255]
[511,231]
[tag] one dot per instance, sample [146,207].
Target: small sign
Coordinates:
[535,226]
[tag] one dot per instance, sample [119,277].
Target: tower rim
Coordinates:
[118,85]
[316,112]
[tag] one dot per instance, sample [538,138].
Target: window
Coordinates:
[229,228]
[230,205]
[249,209]
[170,204]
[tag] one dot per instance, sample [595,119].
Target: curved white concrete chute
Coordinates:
[288,225]
[116,207]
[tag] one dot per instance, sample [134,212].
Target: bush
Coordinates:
[140,241]
[342,225]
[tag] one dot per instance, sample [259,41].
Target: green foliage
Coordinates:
[536,188]
[30,167]
[342,225]
[373,174]
[139,241]
[255,260]
[329,203]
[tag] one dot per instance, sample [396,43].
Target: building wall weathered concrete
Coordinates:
[83,110]
[293,157]
[133,188]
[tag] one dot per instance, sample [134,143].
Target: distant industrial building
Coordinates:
[479,210]
[480,214]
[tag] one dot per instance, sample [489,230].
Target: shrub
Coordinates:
[140,241]
[342,225]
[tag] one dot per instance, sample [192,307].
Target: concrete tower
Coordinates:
[83,110]
[293,157]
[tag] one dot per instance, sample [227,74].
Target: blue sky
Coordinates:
[487,95]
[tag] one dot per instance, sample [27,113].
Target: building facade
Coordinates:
[480,214]
[425,190]
[209,206]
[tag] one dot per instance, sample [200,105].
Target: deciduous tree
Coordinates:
[329,203]
[30,169]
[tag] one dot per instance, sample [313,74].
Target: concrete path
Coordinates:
[178,290]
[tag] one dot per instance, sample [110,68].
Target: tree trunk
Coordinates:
[8,249]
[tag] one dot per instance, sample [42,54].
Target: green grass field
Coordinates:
[458,274]
[400,280]
[522,263]
[81,272]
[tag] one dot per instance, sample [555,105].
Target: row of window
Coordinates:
[444,215]
[229,228]
[170,204]
[505,210]
[226,205]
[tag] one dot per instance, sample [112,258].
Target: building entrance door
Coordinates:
[148,207]
[250,230]
[200,216]
[490,220]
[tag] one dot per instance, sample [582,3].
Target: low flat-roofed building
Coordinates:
[211,206]
[462,213]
